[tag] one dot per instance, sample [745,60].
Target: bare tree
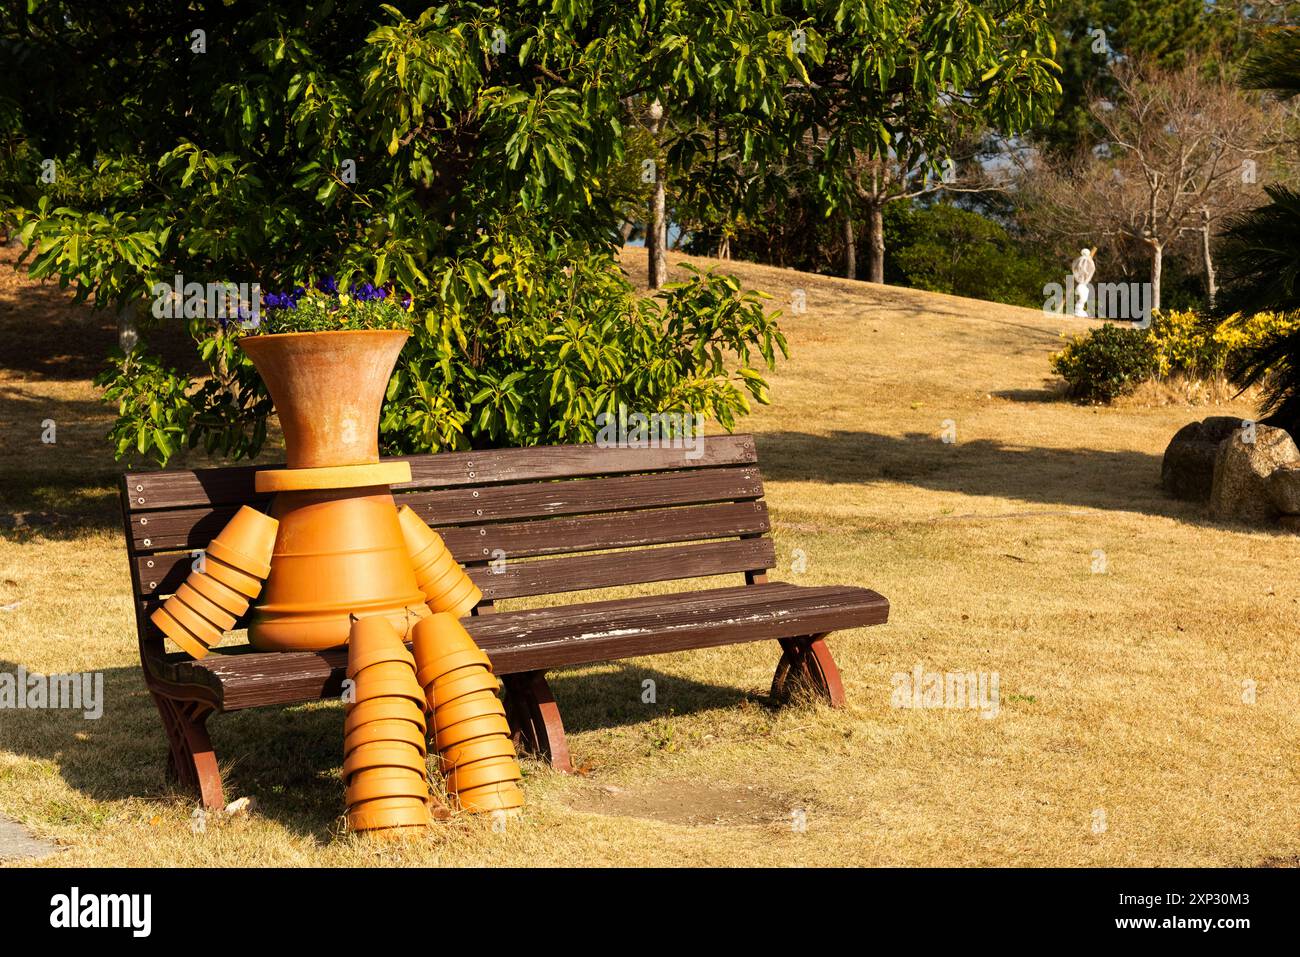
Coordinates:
[878,182]
[1182,150]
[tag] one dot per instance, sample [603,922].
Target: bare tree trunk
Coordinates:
[850,249]
[1157,261]
[656,240]
[876,242]
[1211,280]
[626,230]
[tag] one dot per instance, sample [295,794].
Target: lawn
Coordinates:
[1124,628]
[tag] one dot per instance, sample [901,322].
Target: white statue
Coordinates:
[1083,269]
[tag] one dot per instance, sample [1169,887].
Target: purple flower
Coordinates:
[280,300]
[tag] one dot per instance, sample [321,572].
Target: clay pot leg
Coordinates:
[191,762]
[534,718]
[806,665]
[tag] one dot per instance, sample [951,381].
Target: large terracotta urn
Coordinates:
[340,549]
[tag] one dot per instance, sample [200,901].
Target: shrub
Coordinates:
[1111,361]
[1107,362]
[943,248]
[525,346]
[1192,345]
[1186,344]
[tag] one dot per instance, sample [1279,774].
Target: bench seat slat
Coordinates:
[557,636]
[183,488]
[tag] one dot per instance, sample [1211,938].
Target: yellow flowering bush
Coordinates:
[1187,343]
[1101,365]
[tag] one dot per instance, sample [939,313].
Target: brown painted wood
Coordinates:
[676,507]
[557,536]
[806,664]
[170,529]
[161,575]
[535,723]
[554,576]
[181,488]
[540,639]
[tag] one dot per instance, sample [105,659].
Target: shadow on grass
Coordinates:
[612,695]
[1093,478]
[61,487]
[45,335]
[288,758]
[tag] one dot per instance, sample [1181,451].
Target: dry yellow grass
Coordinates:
[1121,692]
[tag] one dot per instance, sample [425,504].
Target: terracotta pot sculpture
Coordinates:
[506,797]
[469,722]
[209,602]
[340,550]
[247,585]
[385,709]
[223,596]
[385,753]
[444,583]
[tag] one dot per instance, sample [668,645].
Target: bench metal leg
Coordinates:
[535,718]
[191,762]
[806,664]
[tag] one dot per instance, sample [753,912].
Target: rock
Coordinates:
[1188,468]
[1241,470]
[1284,488]
[18,843]
[239,806]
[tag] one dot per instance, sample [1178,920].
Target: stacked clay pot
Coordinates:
[385,751]
[469,722]
[444,583]
[209,603]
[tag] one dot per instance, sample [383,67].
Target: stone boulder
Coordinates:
[1284,488]
[1187,471]
[1241,474]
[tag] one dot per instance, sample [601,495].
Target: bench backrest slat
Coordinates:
[170,529]
[564,518]
[182,488]
[608,569]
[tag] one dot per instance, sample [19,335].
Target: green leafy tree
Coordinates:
[944,248]
[1093,36]
[465,154]
[474,156]
[877,100]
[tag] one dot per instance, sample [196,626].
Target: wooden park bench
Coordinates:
[526,523]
